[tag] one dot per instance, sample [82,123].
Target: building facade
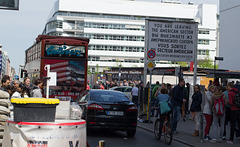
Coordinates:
[5,66]
[116,28]
[229,34]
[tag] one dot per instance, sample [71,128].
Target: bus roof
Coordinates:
[42,37]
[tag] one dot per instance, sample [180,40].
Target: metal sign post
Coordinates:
[150,65]
[150,98]
[47,68]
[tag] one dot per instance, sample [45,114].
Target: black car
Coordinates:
[109,109]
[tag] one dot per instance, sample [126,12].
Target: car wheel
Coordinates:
[131,132]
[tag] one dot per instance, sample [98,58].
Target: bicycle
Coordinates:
[164,129]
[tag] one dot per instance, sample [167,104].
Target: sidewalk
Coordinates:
[186,130]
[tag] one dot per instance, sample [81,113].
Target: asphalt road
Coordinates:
[142,138]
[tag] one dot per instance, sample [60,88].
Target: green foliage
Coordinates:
[89,72]
[206,63]
[183,64]
[117,63]
[97,72]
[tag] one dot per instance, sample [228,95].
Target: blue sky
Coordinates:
[18,29]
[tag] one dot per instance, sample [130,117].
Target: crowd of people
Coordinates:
[16,89]
[108,84]
[219,106]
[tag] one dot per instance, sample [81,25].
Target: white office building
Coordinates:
[116,28]
[229,34]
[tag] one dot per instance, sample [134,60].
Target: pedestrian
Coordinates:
[235,109]
[107,86]
[18,91]
[216,82]
[169,88]
[219,101]
[237,85]
[140,96]
[96,86]
[210,83]
[37,89]
[186,96]
[163,86]
[155,89]
[177,101]
[6,83]
[112,84]
[196,108]
[207,111]
[15,84]
[183,108]
[101,85]
[27,88]
[90,86]
[227,112]
[134,94]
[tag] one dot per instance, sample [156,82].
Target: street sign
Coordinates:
[151,54]
[171,40]
[150,65]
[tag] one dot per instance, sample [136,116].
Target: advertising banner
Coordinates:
[171,40]
[62,133]
[69,76]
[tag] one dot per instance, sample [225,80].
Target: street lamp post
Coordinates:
[216,58]
[119,74]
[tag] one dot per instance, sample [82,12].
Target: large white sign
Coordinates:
[172,41]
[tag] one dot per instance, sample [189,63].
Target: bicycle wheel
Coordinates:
[157,132]
[167,131]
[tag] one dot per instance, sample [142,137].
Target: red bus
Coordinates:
[67,57]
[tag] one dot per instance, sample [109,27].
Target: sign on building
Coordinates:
[171,40]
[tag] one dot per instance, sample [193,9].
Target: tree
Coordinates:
[206,63]
[97,72]
[183,64]
[89,72]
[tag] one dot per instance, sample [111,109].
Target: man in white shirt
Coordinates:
[134,94]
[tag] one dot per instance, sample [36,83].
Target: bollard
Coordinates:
[101,143]
[201,128]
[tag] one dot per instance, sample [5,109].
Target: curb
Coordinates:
[175,139]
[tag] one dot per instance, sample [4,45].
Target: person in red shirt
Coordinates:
[101,85]
[88,87]
[235,111]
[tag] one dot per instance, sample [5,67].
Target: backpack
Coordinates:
[218,106]
[236,101]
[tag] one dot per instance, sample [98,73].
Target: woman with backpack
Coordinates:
[196,108]
[219,101]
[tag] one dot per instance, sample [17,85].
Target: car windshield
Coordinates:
[108,96]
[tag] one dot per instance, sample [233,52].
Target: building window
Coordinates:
[113,26]
[203,41]
[203,32]
[93,70]
[54,25]
[114,37]
[203,52]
